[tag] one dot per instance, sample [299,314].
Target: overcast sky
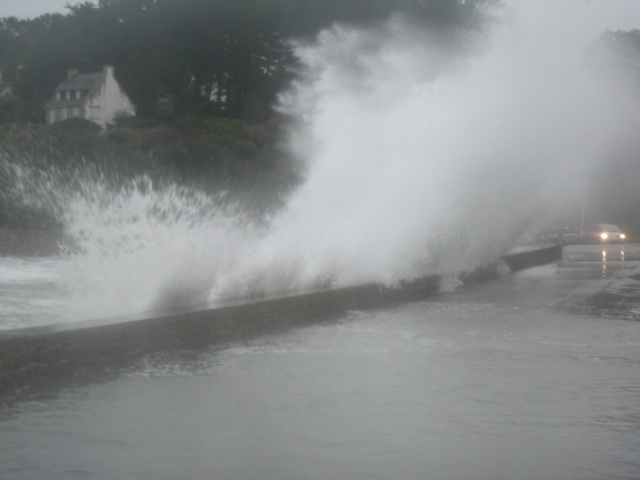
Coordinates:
[610,14]
[32,8]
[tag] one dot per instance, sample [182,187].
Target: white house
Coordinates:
[94,96]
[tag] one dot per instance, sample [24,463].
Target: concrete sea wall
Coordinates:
[532,257]
[40,359]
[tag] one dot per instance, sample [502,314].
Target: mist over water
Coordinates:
[143,247]
[420,162]
[417,160]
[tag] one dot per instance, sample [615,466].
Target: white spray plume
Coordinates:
[416,163]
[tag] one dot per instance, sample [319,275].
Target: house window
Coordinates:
[58,95]
[58,115]
[94,113]
[68,94]
[69,112]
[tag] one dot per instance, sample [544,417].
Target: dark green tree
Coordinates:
[208,57]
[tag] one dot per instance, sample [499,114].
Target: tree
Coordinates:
[198,56]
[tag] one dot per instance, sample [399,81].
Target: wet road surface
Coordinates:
[530,376]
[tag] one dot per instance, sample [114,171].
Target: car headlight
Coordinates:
[623,236]
[604,236]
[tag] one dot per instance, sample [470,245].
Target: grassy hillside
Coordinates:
[247,160]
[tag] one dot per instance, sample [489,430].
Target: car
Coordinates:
[605,233]
[558,235]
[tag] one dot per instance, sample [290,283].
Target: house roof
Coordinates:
[85,82]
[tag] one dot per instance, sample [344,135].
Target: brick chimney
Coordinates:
[72,73]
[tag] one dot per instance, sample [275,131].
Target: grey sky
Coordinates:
[32,8]
[610,14]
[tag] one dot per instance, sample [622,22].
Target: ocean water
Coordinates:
[411,175]
[30,291]
[417,161]
[499,381]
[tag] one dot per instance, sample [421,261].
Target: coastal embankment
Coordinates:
[38,359]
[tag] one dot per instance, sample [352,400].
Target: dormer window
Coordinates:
[58,95]
[69,93]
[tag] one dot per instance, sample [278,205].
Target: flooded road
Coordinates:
[531,376]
